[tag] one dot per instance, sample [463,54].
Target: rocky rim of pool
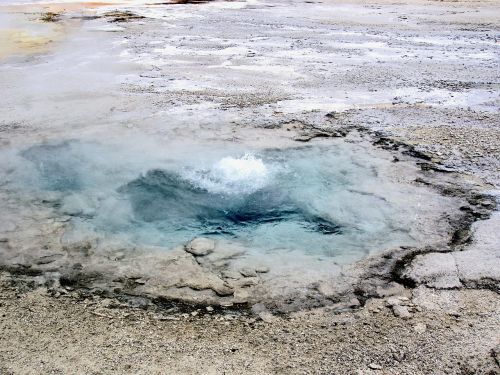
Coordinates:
[227,255]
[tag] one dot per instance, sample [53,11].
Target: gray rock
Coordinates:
[392,301]
[200,246]
[476,266]
[241,295]
[420,327]
[401,311]
[229,274]
[243,283]
[446,301]
[436,270]
[220,257]
[49,258]
[267,317]
[262,269]
[248,272]
[258,307]
[479,263]
[390,289]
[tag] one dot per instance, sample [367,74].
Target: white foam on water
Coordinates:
[231,175]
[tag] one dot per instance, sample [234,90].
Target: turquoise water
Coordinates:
[329,201]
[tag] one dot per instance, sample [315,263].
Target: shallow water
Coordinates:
[328,201]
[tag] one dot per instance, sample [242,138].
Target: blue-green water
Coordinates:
[324,200]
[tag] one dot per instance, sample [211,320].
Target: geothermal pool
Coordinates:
[329,200]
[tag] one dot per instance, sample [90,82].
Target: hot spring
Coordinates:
[329,201]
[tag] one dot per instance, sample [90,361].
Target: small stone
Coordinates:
[248,272]
[401,311]
[375,366]
[267,317]
[194,313]
[262,269]
[399,356]
[107,303]
[209,308]
[119,256]
[229,274]
[245,282]
[353,302]
[223,290]
[390,289]
[258,308]
[200,246]
[133,275]
[241,295]
[46,259]
[420,327]
[392,301]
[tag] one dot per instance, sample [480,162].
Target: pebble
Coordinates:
[267,317]
[248,272]
[401,311]
[390,289]
[391,301]
[200,246]
[420,327]
[375,366]
[262,269]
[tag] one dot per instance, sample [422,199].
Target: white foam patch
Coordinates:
[232,175]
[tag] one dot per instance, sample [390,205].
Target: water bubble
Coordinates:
[231,175]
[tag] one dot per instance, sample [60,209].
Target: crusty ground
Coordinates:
[41,334]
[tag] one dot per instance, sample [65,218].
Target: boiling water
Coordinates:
[326,201]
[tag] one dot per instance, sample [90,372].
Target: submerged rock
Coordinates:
[262,269]
[248,272]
